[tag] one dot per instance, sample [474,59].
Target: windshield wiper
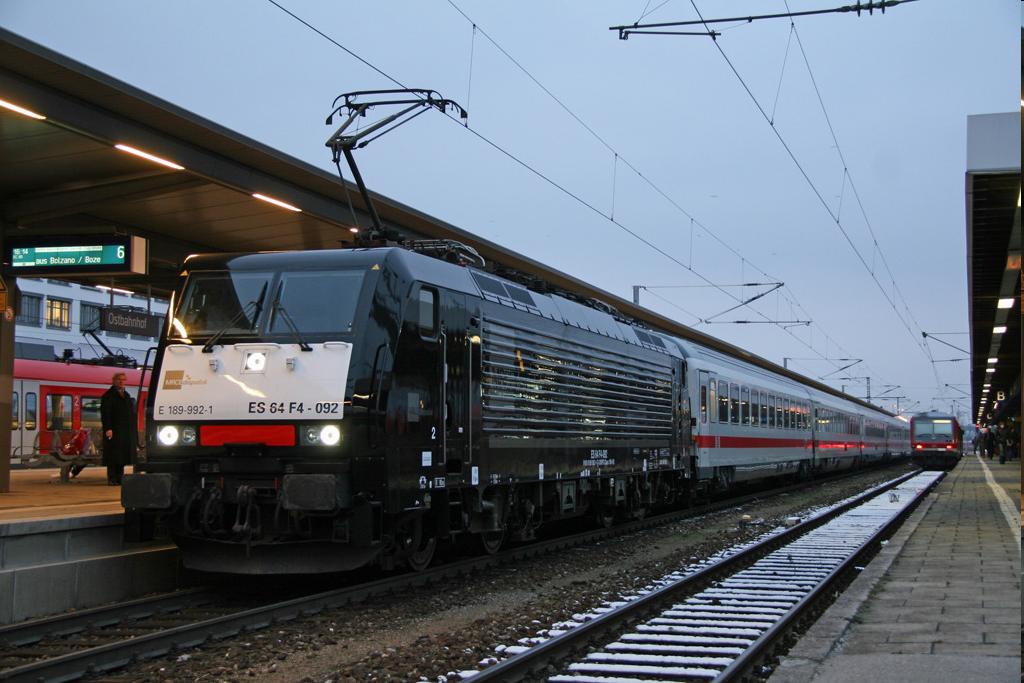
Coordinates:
[278,308]
[256,305]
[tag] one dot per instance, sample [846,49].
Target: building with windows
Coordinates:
[57,319]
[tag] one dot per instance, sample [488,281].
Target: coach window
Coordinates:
[58,411]
[734,403]
[15,404]
[723,402]
[30,411]
[703,404]
[91,414]
[711,399]
[428,312]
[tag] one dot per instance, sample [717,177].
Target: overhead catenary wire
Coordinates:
[814,187]
[619,157]
[501,149]
[868,7]
[562,188]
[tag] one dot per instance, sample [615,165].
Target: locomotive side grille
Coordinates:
[537,386]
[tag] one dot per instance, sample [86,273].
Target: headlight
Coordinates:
[320,435]
[188,436]
[168,436]
[255,361]
[330,435]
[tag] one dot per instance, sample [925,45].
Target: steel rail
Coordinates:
[765,645]
[118,654]
[530,663]
[60,625]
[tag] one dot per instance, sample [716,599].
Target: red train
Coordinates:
[936,440]
[51,399]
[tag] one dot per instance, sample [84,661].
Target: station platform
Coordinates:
[62,547]
[39,493]
[940,602]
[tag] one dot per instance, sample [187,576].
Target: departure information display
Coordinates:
[76,255]
[69,256]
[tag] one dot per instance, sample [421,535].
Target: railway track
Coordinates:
[722,620]
[71,646]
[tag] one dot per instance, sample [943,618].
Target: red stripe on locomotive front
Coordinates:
[268,435]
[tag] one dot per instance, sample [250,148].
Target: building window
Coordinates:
[30,310]
[58,313]
[90,317]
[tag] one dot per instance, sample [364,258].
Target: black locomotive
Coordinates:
[470,407]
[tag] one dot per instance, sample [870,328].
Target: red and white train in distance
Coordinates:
[937,440]
[51,397]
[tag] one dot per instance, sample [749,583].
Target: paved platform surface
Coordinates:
[941,602]
[39,493]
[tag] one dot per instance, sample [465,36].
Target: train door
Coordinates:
[24,410]
[457,381]
[415,413]
[454,380]
[685,430]
[59,411]
[703,434]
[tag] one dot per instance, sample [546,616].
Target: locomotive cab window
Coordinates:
[427,312]
[221,301]
[316,302]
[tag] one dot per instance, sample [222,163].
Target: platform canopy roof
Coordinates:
[64,174]
[994,264]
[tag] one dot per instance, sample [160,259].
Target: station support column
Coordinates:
[6,380]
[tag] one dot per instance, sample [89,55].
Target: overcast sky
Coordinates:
[897,89]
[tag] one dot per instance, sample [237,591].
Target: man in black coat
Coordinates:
[120,428]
